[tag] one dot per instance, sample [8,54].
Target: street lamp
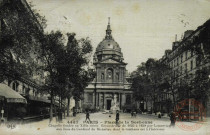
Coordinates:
[95,87]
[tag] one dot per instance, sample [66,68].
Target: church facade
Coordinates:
[110,90]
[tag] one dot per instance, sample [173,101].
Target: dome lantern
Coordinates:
[108,30]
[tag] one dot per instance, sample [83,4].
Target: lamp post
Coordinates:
[95,87]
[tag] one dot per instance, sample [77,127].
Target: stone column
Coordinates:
[103,99]
[94,99]
[114,75]
[120,98]
[98,98]
[123,99]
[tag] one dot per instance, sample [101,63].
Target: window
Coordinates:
[191,65]
[14,86]
[174,73]
[174,63]
[186,67]
[191,53]
[23,89]
[27,91]
[177,72]
[197,61]
[181,58]
[181,70]
[109,75]
[177,61]
[186,55]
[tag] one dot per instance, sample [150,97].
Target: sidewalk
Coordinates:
[207,119]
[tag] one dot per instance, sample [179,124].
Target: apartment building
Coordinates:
[183,63]
[27,87]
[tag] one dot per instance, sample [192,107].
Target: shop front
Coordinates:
[12,104]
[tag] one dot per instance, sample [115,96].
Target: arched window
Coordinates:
[109,75]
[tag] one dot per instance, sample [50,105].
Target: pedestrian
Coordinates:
[131,113]
[2,116]
[134,113]
[173,119]
[87,116]
[117,116]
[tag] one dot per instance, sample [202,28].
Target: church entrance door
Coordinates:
[109,102]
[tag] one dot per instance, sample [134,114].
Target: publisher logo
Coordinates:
[190,114]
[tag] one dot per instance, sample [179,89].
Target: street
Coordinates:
[103,124]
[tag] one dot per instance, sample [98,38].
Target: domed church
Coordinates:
[110,89]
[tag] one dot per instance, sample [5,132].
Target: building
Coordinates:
[14,14]
[110,89]
[184,63]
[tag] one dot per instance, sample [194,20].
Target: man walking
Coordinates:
[117,117]
[87,116]
[173,119]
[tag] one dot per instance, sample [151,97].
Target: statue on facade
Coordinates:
[115,104]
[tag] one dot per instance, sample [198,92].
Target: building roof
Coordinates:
[108,43]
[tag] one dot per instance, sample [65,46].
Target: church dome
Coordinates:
[108,44]
[108,47]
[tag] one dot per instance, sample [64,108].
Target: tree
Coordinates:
[148,80]
[201,85]
[184,87]
[79,73]
[65,66]
[50,51]
[20,37]
[139,82]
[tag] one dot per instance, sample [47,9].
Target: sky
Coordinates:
[143,28]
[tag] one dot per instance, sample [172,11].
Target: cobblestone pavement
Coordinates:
[141,124]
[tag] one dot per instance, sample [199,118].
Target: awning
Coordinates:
[39,99]
[11,95]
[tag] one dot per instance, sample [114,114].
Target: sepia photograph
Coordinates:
[104,67]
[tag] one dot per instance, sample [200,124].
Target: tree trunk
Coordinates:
[154,104]
[51,106]
[68,106]
[60,108]
[64,110]
[55,109]
[174,101]
[146,105]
